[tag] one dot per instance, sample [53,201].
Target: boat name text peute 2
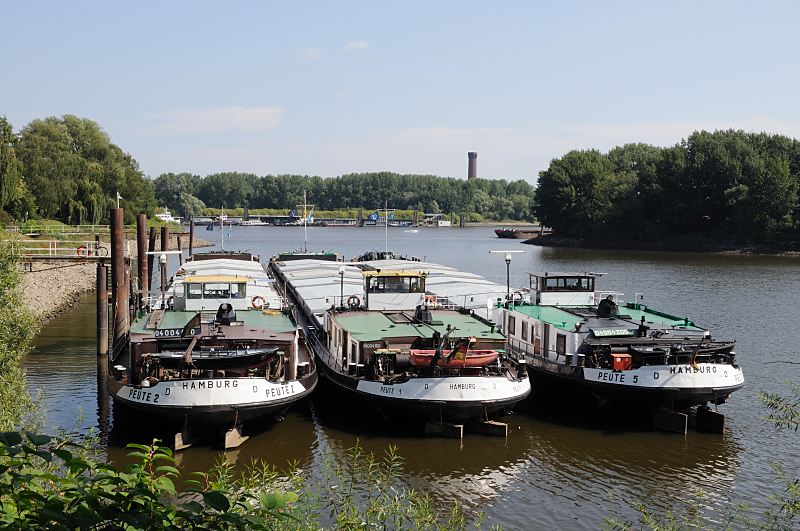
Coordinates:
[216,351]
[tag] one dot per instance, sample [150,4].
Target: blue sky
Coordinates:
[327,88]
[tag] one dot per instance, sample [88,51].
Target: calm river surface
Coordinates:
[556,469]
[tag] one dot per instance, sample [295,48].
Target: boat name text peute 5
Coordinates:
[570,333]
[220,351]
[379,335]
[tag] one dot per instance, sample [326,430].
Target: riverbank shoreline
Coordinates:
[49,288]
[790,249]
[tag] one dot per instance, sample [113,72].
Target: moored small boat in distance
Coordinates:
[575,338]
[521,233]
[167,217]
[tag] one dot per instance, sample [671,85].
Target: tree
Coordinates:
[191,206]
[11,184]
[568,198]
[77,172]
[170,187]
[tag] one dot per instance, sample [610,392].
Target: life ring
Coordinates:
[430,300]
[82,251]
[353,301]
[258,302]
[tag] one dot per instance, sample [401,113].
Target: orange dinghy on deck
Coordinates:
[474,358]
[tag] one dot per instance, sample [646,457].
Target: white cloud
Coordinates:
[312,53]
[355,45]
[219,120]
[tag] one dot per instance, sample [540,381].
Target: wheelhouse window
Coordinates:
[524,331]
[377,285]
[238,291]
[214,290]
[394,285]
[567,283]
[512,325]
[194,291]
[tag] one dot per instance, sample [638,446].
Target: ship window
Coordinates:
[524,331]
[561,344]
[397,284]
[377,285]
[216,291]
[568,284]
[415,285]
[512,325]
[194,291]
[238,291]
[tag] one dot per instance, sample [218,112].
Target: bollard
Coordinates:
[151,247]
[119,288]
[191,237]
[141,258]
[102,310]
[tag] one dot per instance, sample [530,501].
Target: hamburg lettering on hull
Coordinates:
[449,389]
[679,376]
[210,392]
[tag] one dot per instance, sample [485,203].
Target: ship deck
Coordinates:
[566,318]
[271,321]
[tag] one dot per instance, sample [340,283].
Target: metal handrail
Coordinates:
[322,351]
[59,229]
[57,248]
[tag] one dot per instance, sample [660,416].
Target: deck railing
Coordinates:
[59,229]
[57,248]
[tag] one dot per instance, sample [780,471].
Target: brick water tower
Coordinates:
[472,168]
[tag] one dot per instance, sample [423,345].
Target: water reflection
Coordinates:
[556,469]
[473,469]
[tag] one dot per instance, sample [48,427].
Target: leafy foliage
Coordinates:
[785,411]
[12,186]
[725,185]
[50,483]
[492,199]
[67,169]
[17,331]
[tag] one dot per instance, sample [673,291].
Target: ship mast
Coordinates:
[305,222]
[306,215]
[386,228]
[222,228]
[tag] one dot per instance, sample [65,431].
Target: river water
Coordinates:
[557,468]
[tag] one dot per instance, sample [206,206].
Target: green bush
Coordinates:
[49,483]
[17,330]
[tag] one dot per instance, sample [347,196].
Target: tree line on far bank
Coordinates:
[186,193]
[727,186]
[722,186]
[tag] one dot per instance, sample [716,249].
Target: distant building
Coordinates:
[472,168]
